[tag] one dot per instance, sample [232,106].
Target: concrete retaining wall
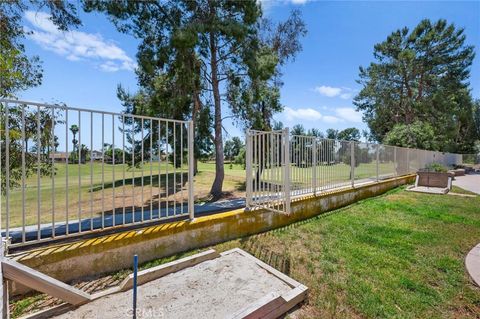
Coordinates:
[90,258]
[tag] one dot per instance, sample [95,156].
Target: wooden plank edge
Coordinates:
[34,279]
[154,273]
[65,307]
[259,308]
[48,313]
[290,300]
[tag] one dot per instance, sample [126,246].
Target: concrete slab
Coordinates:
[234,285]
[470,182]
[429,190]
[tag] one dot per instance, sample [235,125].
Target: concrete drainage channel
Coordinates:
[233,284]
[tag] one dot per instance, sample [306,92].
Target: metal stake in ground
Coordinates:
[135,269]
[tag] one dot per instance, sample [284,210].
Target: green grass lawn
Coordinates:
[83,203]
[79,189]
[399,255]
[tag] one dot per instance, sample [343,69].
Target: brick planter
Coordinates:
[434,179]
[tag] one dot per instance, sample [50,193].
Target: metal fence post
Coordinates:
[314,160]
[395,161]
[378,157]
[352,162]
[408,161]
[248,164]
[191,160]
[286,168]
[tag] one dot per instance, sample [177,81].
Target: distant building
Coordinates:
[96,155]
[60,157]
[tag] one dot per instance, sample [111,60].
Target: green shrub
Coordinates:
[436,167]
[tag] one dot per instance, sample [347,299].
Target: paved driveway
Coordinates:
[469,182]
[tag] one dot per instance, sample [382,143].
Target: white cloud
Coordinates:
[76,45]
[299,1]
[349,114]
[331,119]
[267,5]
[344,93]
[341,114]
[328,90]
[308,114]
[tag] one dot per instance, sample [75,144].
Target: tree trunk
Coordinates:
[216,190]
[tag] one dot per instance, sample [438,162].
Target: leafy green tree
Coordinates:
[18,143]
[417,135]
[277,126]
[476,116]
[298,129]
[256,98]
[315,132]
[233,148]
[349,134]
[240,158]
[20,71]
[420,75]
[332,134]
[193,52]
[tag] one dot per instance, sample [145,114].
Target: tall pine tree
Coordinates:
[195,55]
[421,76]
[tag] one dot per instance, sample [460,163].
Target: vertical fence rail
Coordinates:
[191,172]
[286,169]
[64,171]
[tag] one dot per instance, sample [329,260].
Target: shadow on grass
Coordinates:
[174,181]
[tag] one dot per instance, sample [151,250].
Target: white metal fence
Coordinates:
[67,171]
[471,159]
[267,168]
[280,166]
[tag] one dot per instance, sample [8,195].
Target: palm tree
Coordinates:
[74,128]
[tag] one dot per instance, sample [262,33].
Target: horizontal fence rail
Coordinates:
[68,171]
[309,165]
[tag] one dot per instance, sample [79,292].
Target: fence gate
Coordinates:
[268,170]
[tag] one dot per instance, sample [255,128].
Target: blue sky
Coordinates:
[83,67]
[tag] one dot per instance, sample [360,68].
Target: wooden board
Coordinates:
[260,308]
[4,310]
[36,280]
[271,306]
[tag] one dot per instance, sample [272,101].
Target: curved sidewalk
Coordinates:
[472,263]
[470,182]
